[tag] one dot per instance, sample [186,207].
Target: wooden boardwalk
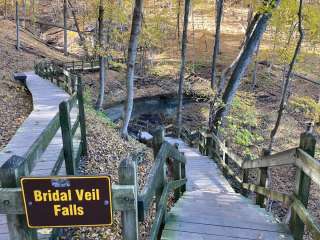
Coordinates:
[46,98]
[210,208]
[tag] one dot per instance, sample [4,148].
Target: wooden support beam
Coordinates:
[67,138]
[282,158]
[276,196]
[129,218]
[302,186]
[311,223]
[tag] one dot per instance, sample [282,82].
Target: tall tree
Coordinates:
[183,63]
[216,49]
[102,58]
[132,54]
[285,95]
[65,31]
[17,26]
[242,63]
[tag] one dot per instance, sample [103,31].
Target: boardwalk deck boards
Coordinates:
[211,210]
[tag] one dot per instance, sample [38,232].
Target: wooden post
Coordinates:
[209,145]
[225,159]
[302,184]
[262,179]
[67,138]
[129,218]
[10,173]
[177,176]
[245,179]
[157,140]
[183,175]
[82,117]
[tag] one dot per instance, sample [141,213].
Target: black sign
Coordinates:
[67,201]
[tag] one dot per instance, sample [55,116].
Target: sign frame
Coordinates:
[108,178]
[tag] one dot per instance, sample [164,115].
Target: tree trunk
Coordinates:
[182,66]
[102,71]
[65,31]
[241,65]
[24,9]
[178,20]
[254,73]
[216,49]
[17,25]
[132,54]
[231,67]
[284,97]
[82,38]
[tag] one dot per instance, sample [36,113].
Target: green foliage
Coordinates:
[87,98]
[306,105]
[241,121]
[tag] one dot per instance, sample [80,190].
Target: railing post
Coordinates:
[302,184]
[82,118]
[183,175]
[157,140]
[209,144]
[225,158]
[262,179]
[177,176]
[245,179]
[67,138]
[129,218]
[10,172]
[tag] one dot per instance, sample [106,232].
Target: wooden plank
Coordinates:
[310,222]
[228,222]
[278,159]
[309,165]
[222,231]
[276,196]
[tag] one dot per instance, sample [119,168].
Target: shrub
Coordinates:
[306,105]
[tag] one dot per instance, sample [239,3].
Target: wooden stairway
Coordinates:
[210,208]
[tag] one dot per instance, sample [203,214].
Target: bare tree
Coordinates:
[132,54]
[216,49]
[17,25]
[183,63]
[242,63]
[65,31]
[102,59]
[285,95]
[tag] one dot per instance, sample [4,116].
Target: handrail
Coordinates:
[172,185]
[156,184]
[308,166]
[154,178]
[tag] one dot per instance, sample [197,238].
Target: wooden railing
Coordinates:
[167,174]
[308,168]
